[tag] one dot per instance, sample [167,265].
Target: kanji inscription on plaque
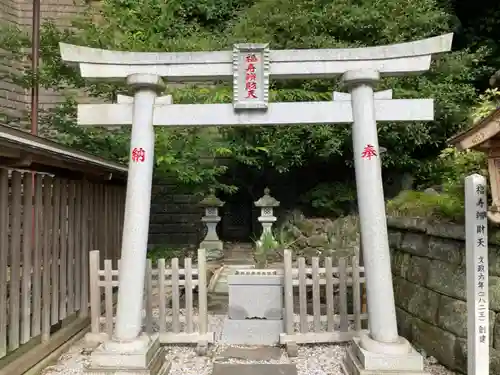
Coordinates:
[250,76]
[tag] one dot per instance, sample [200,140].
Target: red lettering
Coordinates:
[251,86]
[251,58]
[369,152]
[251,94]
[251,77]
[138,155]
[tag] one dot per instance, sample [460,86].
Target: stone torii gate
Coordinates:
[250,67]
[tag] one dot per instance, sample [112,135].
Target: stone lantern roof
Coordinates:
[266,200]
[211,200]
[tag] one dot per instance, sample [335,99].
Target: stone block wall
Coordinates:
[428,263]
[175,218]
[14,100]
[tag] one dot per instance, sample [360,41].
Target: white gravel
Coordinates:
[312,359]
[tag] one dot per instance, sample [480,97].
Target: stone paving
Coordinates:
[254,369]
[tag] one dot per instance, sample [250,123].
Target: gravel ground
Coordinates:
[312,360]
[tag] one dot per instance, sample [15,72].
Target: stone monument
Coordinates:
[255,314]
[250,67]
[476,248]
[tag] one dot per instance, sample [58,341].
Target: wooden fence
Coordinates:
[165,288]
[47,226]
[333,321]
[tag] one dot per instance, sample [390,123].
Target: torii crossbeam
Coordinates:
[334,112]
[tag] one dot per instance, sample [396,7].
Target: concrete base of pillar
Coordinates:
[143,356]
[399,361]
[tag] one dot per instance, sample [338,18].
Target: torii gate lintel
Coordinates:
[334,112]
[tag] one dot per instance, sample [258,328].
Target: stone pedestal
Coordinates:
[368,357]
[143,356]
[255,315]
[211,240]
[252,332]
[256,294]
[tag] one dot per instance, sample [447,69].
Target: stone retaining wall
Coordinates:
[428,263]
[175,217]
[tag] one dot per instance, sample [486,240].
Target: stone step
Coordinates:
[259,353]
[239,261]
[254,369]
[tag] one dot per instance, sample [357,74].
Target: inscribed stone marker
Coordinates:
[476,224]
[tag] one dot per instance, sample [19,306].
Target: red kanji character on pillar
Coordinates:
[251,68]
[369,152]
[138,155]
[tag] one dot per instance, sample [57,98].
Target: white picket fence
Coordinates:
[164,285]
[301,327]
[169,287]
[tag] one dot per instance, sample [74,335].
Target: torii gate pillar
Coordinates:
[129,348]
[137,207]
[371,203]
[381,349]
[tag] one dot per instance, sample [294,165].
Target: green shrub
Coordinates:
[447,174]
[454,166]
[161,252]
[487,103]
[331,199]
[442,206]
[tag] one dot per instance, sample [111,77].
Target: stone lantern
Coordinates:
[212,243]
[266,218]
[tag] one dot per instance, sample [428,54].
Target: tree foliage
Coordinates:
[191,155]
[487,103]
[477,26]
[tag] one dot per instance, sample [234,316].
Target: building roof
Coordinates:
[482,136]
[22,150]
